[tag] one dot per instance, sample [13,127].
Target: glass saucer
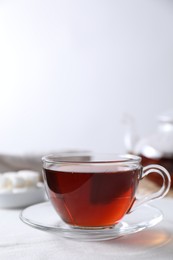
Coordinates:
[43,216]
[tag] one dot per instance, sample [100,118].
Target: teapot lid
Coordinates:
[159,144]
[166,117]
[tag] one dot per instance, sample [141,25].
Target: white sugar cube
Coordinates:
[31,178]
[14,181]
[4,182]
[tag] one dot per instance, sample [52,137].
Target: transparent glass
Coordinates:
[158,147]
[96,191]
[43,217]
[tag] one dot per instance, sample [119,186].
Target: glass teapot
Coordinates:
[156,148]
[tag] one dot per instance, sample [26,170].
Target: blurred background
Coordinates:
[71,70]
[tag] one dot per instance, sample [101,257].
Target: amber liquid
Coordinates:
[91,199]
[165,162]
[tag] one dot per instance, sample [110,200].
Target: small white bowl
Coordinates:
[20,198]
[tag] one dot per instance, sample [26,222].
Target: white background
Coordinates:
[71,69]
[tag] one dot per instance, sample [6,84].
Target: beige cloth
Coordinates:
[20,162]
[147,186]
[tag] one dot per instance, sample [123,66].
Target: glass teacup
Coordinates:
[96,191]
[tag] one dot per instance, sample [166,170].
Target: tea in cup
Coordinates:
[98,192]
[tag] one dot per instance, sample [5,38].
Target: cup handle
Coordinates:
[153,168]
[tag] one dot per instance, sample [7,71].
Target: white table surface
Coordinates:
[19,241]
